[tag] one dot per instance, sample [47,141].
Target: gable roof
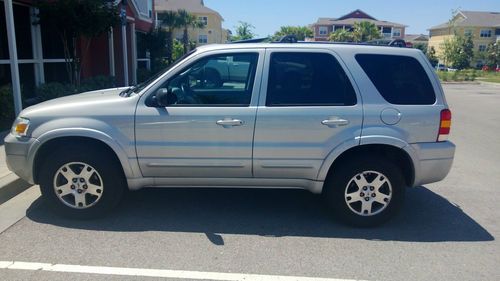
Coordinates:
[353,17]
[192,6]
[473,18]
[357,14]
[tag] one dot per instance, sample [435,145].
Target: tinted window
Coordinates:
[399,79]
[308,79]
[221,80]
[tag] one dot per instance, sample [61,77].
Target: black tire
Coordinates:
[339,181]
[111,174]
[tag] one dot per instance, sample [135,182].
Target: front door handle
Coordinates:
[229,122]
[335,121]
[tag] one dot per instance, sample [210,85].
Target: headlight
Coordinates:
[20,127]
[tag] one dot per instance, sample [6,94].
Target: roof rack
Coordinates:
[400,43]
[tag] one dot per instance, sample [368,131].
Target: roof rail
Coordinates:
[253,40]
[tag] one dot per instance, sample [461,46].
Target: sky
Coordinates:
[268,15]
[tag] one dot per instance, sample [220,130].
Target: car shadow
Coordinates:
[426,216]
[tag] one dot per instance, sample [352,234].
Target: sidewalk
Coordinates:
[3,166]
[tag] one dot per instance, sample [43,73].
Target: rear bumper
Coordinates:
[434,161]
[16,154]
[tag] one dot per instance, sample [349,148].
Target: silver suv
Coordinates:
[354,123]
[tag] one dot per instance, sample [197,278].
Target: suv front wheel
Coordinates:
[365,192]
[81,182]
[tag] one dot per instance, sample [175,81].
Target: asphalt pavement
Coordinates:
[446,231]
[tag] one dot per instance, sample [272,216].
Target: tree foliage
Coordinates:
[493,54]
[365,31]
[74,19]
[361,32]
[169,21]
[301,32]
[431,55]
[187,20]
[458,51]
[341,35]
[244,31]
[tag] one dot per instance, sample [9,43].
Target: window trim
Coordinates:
[325,29]
[200,40]
[482,46]
[400,31]
[485,33]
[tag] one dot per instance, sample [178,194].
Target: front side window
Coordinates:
[219,80]
[485,33]
[308,79]
[399,79]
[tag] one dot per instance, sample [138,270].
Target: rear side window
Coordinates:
[308,79]
[399,79]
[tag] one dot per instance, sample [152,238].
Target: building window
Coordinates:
[323,30]
[203,39]
[203,20]
[482,48]
[469,32]
[396,32]
[386,32]
[485,33]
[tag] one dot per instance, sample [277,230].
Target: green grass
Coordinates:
[469,75]
[493,77]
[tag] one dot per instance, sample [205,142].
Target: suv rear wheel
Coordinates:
[81,182]
[365,192]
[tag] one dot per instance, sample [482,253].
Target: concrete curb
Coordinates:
[10,186]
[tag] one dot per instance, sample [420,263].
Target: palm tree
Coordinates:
[170,21]
[187,20]
[341,35]
[365,31]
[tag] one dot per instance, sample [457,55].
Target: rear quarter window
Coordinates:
[399,79]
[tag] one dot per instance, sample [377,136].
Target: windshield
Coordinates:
[139,87]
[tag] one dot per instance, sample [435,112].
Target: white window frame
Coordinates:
[396,32]
[468,32]
[486,33]
[482,48]
[201,41]
[323,30]
[203,19]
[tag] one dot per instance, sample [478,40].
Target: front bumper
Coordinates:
[17,151]
[434,161]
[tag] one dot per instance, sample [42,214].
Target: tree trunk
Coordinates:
[185,38]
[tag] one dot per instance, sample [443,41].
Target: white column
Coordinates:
[36,44]
[14,67]
[111,51]
[125,55]
[133,46]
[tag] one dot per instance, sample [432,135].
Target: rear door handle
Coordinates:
[335,121]
[229,122]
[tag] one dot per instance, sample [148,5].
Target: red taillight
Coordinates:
[444,125]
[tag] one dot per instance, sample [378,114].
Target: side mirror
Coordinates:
[164,97]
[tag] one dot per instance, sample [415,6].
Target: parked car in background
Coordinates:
[357,124]
[441,67]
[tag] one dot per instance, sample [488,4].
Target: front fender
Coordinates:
[110,141]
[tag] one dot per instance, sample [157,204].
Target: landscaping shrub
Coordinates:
[6,103]
[97,83]
[53,90]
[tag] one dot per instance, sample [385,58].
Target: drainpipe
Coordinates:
[14,67]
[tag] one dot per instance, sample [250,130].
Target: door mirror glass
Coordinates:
[165,97]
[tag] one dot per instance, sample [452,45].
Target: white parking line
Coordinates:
[144,272]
